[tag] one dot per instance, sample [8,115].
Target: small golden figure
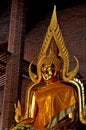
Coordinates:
[54,104]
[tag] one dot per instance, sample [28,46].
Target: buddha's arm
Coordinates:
[32,112]
[33,108]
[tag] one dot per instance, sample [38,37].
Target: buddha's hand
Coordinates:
[22,127]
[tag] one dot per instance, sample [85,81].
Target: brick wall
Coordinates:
[12,88]
[4,26]
[73,26]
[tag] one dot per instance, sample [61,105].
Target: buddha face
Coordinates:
[47,71]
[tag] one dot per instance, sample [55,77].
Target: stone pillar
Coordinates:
[12,90]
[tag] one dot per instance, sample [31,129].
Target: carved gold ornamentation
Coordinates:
[54,32]
[48,65]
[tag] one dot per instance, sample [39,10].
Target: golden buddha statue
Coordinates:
[51,103]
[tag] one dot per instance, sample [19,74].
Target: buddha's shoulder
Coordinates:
[54,86]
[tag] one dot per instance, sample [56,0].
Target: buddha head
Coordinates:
[50,66]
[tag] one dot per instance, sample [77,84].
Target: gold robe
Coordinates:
[53,102]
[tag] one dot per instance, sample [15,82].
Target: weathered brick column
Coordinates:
[14,66]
